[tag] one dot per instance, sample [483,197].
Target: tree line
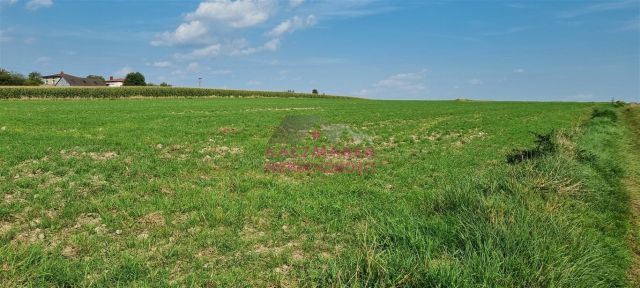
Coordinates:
[10,78]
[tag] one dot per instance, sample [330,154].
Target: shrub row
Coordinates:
[124,92]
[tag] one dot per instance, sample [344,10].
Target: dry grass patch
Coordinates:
[87,219]
[228,130]
[175,151]
[29,237]
[155,219]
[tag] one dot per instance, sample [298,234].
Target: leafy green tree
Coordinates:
[5,77]
[134,79]
[11,78]
[164,84]
[34,79]
[314,92]
[95,77]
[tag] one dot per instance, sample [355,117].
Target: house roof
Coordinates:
[114,80]
[77,81]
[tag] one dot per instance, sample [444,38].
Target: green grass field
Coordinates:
[173,192]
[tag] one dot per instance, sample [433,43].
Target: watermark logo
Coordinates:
[306,144]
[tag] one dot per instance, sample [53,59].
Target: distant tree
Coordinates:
[95,77]
[5,77]
[314,92]
[164,84]
[34,79]
[134,79]
[11,78]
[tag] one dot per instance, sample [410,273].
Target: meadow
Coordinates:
[174,192]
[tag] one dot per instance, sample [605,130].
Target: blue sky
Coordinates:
[497,50]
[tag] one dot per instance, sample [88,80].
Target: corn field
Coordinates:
[125,92]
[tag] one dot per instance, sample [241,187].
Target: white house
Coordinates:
[117,82]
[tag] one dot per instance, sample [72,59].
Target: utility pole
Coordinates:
[200,82]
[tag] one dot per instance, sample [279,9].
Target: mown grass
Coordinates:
[173,192]
[29,92]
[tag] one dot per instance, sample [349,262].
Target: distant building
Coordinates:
[61,79]
[117,82]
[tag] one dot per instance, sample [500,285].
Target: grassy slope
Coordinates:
[90,197]
[632,181]
[556,221]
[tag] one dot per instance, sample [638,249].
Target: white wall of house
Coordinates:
[51,81]
[114,84]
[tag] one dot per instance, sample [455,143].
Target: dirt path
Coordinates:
[632,181]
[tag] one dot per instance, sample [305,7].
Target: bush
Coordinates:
[605,113]
[619,103]
[544,145]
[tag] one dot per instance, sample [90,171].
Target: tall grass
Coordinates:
[123,92]
[559,220]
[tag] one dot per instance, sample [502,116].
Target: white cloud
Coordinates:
[178,72]
[214,49]
[271,45]
[162,64]
[191,69]
[475,81]
[276,34]
[123,72]
[30,40]
[409,82]
[185,33]
[406,83]
[4,36]
[216,21]
[209,51]
[220,72]
[601,7]
[236,47]
[295,3]
[221,27]
[238,14]
[518,5]
[631,25]
[355,8]
[42,60]
[7,2]
[37,4]
[293,24]
[193,66]
[518,70]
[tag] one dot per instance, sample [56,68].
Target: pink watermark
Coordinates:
[302,145]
